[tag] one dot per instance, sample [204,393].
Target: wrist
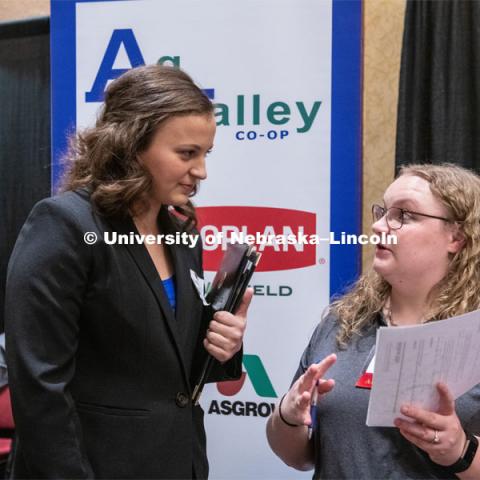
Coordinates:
[282,418]
[466,458]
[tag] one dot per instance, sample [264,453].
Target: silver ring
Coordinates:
[435,438]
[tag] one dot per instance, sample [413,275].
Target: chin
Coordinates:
[178,202]
[174,198]
[382,270]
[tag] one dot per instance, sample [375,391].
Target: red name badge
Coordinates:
[366,378]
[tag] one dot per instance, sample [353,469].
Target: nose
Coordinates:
[199,169]
[380,225]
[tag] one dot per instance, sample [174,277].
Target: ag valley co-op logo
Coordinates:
[223,222]
[251,116]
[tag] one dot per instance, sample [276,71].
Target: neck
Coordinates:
[146,222]
[407,309]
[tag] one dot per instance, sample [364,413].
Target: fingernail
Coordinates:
[405,409]
[397,422]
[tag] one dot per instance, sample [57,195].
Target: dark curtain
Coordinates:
[439,97]
[24,129]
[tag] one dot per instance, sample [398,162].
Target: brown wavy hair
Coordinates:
[105,158]
[457,293]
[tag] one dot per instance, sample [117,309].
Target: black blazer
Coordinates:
[100,367]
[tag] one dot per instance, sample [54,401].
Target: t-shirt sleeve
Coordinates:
[321,344]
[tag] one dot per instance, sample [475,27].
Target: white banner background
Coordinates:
[280,50]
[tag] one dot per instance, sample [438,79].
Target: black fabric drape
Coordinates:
[439,97]
[24,128]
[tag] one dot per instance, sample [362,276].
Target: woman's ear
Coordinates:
[457,240]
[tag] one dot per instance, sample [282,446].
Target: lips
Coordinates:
[187,187]
[382,248]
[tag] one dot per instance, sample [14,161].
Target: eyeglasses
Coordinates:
[395,216]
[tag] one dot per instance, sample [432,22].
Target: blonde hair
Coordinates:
[457,293]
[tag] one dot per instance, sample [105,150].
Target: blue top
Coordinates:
[169,286]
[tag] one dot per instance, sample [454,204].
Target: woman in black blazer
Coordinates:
[105,340]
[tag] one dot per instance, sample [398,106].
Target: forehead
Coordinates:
[409,190]
[187,126]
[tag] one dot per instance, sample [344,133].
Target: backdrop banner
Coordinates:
[285,76]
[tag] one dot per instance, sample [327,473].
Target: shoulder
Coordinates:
[72,204]
[324,337]
[54,226]
[326,329]
[69,213]
[322,342]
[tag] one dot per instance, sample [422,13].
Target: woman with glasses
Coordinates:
[432,273]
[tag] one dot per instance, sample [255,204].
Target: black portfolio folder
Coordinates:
[228,286]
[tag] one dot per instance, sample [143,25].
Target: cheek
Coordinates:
[161,180]
[424,236]
[427,248]
[162,173]
[438,240]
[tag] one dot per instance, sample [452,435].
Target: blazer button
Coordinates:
[181,399]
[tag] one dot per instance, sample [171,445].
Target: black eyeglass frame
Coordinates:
[403,210]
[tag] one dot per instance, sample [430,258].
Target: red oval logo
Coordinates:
[262,223]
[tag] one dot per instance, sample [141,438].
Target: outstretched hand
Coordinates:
[296,403]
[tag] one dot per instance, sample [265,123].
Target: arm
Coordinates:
[46,281]
[440,434]
[288,436]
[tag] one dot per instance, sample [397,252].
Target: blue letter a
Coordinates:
[106,71]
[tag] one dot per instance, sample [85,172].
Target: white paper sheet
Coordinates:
[409,361]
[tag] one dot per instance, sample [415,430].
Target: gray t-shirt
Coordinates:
[345,448]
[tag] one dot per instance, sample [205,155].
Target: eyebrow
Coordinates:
[189,145]
[405,203]
[193,145]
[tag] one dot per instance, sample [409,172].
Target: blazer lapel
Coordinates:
[189,311]
[146,266]
[184,287]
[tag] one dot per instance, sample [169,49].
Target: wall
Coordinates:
[383,31]
[17,9]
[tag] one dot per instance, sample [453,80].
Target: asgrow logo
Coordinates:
[258,377]
[260,382]
[223,221]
